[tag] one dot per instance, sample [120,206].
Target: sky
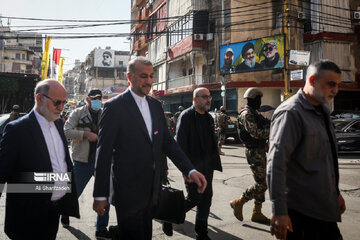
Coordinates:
[72,9]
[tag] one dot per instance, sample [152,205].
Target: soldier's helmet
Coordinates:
[223,108]
[181,108]
[15,107]
[253,93]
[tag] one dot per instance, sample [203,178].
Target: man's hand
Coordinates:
[200,180]
[92,137]
[279,226]
[99,206]
[342,204]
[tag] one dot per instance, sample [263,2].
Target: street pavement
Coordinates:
[227,185]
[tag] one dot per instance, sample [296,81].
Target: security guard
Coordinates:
[222,120]
[15,113]
[254,132]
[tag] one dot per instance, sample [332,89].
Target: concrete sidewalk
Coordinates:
[227,185]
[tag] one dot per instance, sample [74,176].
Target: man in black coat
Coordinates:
[196,136]
[36,143]
[134,136]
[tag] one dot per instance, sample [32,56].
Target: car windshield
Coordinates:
[340,124]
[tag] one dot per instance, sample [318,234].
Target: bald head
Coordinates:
[202,100]
[50,97]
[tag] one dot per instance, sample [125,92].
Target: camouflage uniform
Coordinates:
[222,119]
[258,129]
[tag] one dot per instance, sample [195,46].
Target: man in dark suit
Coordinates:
[36,143]
[195,133]
[134,136]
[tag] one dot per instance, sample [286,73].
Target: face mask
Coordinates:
[95,105]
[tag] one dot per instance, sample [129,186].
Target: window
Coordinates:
[17,56]
[180,30]
[23,56]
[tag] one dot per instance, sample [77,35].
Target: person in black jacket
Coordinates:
[196,135]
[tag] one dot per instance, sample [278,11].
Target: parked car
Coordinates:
[4,119]
[232,126]
[347,134]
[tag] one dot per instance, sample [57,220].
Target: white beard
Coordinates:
[250,64]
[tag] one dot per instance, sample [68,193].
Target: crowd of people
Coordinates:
[294,155]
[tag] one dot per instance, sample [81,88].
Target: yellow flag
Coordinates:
[61,64]
[45,59]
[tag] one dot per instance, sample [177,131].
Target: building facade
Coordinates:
[187,41]
[20,52]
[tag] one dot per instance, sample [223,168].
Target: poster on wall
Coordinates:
[254,55]
[299,57]
[104,58]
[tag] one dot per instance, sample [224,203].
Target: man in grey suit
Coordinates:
[134,135]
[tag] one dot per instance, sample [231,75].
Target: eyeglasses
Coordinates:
[269,48]
[56,102]
[206,97]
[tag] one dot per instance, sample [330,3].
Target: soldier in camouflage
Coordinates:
[254,132]
[221,120]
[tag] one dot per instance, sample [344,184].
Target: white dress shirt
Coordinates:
[56,151]
[144,108]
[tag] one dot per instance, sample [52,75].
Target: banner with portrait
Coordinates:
[254,55]
[104,58]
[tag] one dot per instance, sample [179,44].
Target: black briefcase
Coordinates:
[171,205]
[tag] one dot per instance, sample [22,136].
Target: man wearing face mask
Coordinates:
[254,132]
[82,128]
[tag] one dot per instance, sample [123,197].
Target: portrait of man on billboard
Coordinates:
[272,57]
[249,62]
[228,62]
[107,58]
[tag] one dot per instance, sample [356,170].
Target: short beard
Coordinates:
[250,63]
[320,97]
[46,114]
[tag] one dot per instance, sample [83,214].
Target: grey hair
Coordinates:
[42,87]
[195,93]
[317,68]
[133,62]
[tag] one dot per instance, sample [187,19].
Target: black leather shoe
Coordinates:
[65,221]
[167,228]
[114,232]
[202,237]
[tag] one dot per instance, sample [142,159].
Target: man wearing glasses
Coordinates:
[272,57]
[82,128]
[196,136]
[36,143]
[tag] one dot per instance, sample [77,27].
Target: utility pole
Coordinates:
[286,31]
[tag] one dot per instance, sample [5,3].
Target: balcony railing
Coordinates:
[186,81]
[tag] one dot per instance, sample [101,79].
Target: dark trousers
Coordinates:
[202,201]
[308,228]
[138,226]
[44,232]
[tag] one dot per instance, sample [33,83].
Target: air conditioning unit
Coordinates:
[198,37]
[356,15]
[300,15]
[209,36]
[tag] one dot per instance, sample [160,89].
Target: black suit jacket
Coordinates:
[137,161]
[187,135]
[23,149]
